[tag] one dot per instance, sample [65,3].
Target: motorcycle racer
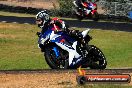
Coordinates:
[80,4]
[44,21]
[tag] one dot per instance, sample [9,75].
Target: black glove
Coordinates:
[74,32]
[38,33]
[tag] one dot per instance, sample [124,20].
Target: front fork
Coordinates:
[57,53]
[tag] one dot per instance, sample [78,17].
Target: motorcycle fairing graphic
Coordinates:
[55,47]
[58,39]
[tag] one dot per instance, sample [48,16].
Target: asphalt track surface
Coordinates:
[117,26]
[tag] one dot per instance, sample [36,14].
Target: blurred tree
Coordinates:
[65,7]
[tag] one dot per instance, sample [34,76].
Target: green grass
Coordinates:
[116,45]
[19,50]
[18,47]
[4,13]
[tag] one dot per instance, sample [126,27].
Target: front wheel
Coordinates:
[96,58]
[54,62]
[78,13]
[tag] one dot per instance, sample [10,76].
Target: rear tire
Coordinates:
[95,16]
[97,58]
[80,18]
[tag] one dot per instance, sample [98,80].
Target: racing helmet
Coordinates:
[42,18]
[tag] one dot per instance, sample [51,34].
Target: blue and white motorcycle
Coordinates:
[57,58]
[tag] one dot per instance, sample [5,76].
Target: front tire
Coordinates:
[78,13]
[55,63]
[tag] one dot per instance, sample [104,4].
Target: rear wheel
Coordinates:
[96,58]
[79,17]
[95,16]
[54,62]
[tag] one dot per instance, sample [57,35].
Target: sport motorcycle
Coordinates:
[57,58]
[89,10]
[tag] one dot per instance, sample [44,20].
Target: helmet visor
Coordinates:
[38,21]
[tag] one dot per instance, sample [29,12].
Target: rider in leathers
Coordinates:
[79,5]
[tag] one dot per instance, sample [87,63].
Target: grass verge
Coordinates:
[4,13]
[18,47]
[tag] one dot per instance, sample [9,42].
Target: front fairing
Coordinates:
[45,36]
[51,36]
[62,36]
